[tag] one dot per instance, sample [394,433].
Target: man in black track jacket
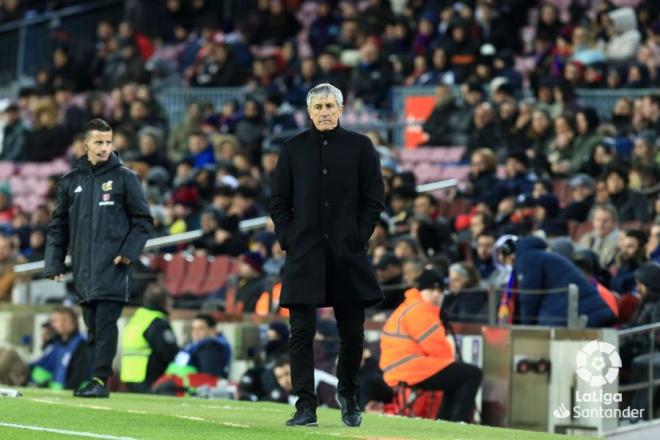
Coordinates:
[102,219]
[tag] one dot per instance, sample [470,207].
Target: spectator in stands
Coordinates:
[250,129]
[251,281]
[630,204]
[538,269]
[8,260]
[519,180]
[11,10]
[14,134]
[372,76]
[438,126]
[209,352]
[483,254]
[415,351]
[587,121]
[150,144]
[270,383]
[465,301]
[177,141]
[278,115]
[483,132]
[65,362]
[483,180]
[630,258]
[390,275]
[148,343]
[37,249]
[200,150]
[71,116]
[47,140]
[63,69]
[560,151]
[653,244]
[324,28]
[219,68]
[623,36]
[582,198]
[604,237]
[277,24]
[209,222]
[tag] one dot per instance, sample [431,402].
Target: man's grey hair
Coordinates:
[325,89]
[608,208]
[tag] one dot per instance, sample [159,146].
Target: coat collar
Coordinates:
[330,134]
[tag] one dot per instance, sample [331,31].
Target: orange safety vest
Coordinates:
[262,308]
[413,342]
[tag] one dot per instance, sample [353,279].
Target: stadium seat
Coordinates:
[195,275]
[220,268]
[175,271]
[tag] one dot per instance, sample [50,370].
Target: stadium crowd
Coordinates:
[551,182]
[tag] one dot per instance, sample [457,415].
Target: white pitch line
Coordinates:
[65,432]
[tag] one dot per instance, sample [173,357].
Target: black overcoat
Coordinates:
[327,195]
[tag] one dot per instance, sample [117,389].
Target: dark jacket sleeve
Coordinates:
[281,197]
[140,220]
[57,240]
[372,192]
[529,275]
[161,339]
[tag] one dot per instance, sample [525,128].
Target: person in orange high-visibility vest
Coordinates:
[415,350]
[265,306]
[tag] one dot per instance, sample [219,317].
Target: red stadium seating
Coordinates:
[195,275]
[220,268]
[175,271]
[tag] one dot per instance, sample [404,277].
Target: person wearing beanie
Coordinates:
[416,351]
[250,284]
[630,204]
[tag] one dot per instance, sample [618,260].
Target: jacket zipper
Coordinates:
[91,241]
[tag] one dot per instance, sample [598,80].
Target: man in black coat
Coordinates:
[327,195]
[102,219]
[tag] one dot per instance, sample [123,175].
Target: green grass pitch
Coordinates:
[44,414]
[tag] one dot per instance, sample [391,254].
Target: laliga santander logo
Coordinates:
[598,363]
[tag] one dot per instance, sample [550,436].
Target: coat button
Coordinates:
[325,171]
[325,143]
[326,203]
[325,235]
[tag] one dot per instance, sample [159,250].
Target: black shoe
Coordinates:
[350,412]
[93,388]
[303,417]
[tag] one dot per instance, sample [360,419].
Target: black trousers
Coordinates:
[101,320]
[350,323]
[459,383]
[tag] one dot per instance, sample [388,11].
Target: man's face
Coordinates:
[628,247]
[200,330]
[485,245]
[431,295]
[196,144]
[325,112]
[423,207]
[456,281]
[99,146]
[615,184]
[580,193]
[603,223]
[62,324]
[283,376]
[410,273]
